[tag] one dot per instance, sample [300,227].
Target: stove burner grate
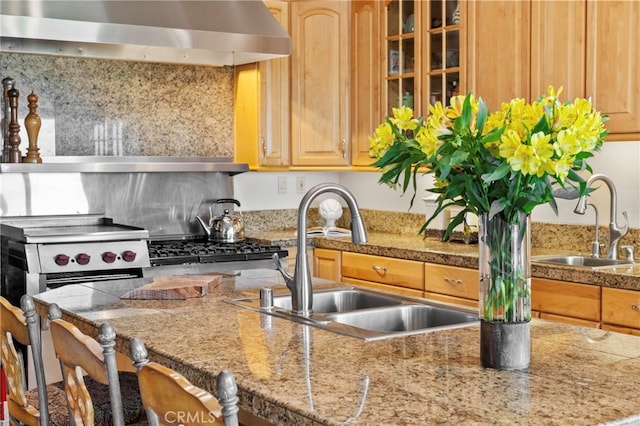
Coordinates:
[184,252]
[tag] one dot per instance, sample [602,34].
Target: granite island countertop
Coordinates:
[414,247]
[295,374]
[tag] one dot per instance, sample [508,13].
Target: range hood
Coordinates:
[217,32]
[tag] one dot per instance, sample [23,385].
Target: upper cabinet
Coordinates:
[498,50]
[365,78]
[613,62]
[320,83]
[587,47]
[261,106]
[423,53]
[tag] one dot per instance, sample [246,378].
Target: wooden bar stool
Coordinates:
[25,406]
[169,398]
[87,401]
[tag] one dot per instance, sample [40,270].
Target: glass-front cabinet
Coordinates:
[423,50]
[401,53]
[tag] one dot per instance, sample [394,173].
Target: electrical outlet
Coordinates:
[300,185]
[282,184]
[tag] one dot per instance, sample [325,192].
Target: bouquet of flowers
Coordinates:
[502,163]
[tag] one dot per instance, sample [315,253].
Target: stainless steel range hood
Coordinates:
[217,32]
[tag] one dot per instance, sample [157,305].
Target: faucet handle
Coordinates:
[629,251]
[625,228]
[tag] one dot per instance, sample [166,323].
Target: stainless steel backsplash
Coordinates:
[164,203]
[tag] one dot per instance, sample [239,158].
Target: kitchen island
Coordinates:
[289,373]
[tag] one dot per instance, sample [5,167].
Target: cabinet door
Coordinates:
[613,58]
[319,83]
[326,264]
[498,54]
[560,298]
[365,77]
[558,47]
[274,100]
[621,307]
[246,114]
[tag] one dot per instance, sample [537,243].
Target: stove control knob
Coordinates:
[109,257]
[128,256]
[61,259]
[82,258]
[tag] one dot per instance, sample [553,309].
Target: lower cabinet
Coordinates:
[327,264]
[567,302]
[383,273]
[573,303]
[621,310]
[451,284]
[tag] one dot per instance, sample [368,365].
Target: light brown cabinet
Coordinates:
[261,113]
[383,273]
[587,47]
[365,77]
[327,264]
[498,50]
[568,302]
[319,83]
[451,284]
[613,59]
[621,310]
[422,53]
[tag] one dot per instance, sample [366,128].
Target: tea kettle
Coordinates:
[228,228]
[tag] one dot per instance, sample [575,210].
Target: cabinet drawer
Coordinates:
[403,291]
[565,298]
[385,270]
[451,280]
[621,307]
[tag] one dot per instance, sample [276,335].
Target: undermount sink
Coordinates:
[367,314]
[583,261]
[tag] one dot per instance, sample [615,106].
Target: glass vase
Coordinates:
[505,291]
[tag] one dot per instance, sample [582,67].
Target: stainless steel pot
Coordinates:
[228,228]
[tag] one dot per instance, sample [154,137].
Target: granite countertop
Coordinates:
[289,373]
[414,247]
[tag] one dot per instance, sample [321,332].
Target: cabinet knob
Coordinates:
[635,307]
[452,280]
[379,269]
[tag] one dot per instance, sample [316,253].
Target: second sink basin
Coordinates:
[578,260]
[405,318]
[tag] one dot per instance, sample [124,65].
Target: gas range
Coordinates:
[50,251]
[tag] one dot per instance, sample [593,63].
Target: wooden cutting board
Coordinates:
[176,287]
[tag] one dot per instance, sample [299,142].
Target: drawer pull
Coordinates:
[379,269]
[635,307]
[452,280]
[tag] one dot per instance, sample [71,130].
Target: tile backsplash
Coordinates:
[107,107]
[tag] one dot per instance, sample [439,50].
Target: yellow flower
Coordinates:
[437,121]
[403,118]
[510,142]
[382,139]
[543,151]
[428,141]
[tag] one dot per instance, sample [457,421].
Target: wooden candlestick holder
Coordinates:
[15,156]
[32,123]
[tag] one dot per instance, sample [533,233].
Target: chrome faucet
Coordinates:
[300,283]
[615,232]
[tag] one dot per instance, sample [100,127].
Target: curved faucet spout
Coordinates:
[300,283]
[615,232]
